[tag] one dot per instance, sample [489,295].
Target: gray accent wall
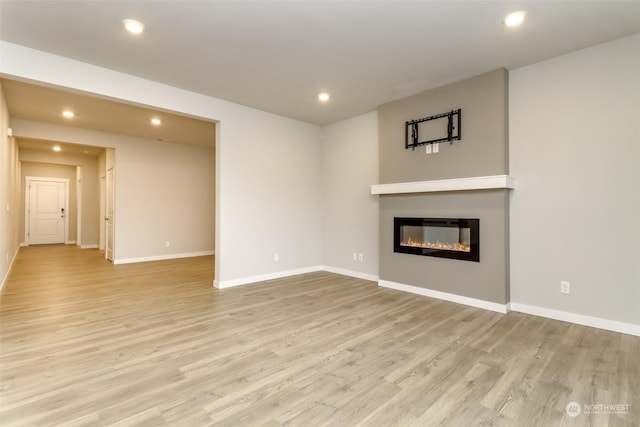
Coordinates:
[486,280]
[482,151]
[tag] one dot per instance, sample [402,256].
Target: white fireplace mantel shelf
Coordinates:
[459,184]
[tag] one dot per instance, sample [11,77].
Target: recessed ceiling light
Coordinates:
[57,148]
[68,114]
[323,97]
[133,26]
[156,122]
[515,18]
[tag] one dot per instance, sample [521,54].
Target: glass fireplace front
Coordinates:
[455,238]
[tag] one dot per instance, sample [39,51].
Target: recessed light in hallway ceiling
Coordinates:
[133,26]
[514,19]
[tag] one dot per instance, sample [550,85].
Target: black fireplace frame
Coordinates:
[472,224]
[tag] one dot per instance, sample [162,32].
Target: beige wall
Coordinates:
[9,194]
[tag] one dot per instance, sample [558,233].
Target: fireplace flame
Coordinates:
[460,247]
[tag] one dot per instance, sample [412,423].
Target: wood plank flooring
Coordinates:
[87,343]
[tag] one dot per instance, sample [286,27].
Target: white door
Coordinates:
[108,253]
[46,211]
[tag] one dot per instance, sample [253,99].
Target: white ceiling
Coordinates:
[277,55]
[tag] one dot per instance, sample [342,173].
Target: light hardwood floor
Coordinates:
[87,343]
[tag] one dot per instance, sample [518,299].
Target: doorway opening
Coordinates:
[81,167]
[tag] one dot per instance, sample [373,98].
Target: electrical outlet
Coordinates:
[436,147]
[360,257]
[355,256]
[276,257]
[428,149]
[565,287]
[167,244]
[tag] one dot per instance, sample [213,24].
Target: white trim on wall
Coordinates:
[162,257]
[457,184]
[609,325]
[473,302]
[264,277]
[350,273]
[287,273]
[4,279]
[579,319]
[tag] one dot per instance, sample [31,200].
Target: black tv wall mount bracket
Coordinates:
[454,131]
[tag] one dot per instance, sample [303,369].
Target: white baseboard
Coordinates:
[287,273]
[6,274]
[70,242]
[262,277]
[580,319]
[162,257]
[88,246]
[473,302]
[610,325]
[351,273]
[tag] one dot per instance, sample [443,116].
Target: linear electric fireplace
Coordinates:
[455,238]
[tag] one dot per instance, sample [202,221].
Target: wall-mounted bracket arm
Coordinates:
[454,129]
